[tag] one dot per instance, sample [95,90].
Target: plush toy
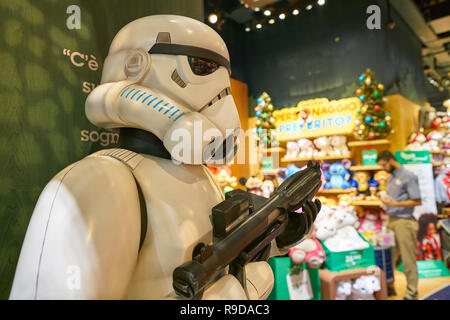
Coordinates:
[253,185]
[364,287]
[267,188]
[291,150]
[339,144]
[310,251]
[224,178]
[374,186]
[306,148]
[382,177]
[416,141]
[323,146]
[325,229]
[338,177]
[289,171]
[362,178]
[344,200]
[343,290]
[329,202]
[371,221]
[433,141]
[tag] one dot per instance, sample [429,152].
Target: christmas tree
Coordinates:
[265,123]
[372,121]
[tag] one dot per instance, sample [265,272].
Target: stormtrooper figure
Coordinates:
[115,224]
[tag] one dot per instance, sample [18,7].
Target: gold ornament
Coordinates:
[387,118]
[360,132]
[270,107]
[362,127]
[364,109]
[357,121]
[380,87]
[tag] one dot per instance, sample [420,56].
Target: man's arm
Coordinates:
[405,204]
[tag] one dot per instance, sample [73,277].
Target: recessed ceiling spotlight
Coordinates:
[309,7]
[212,18]
[267,13]
[257,9]
[321,2]
[258,26]
[247,29]
[295,12]
[271,21]
[282,16]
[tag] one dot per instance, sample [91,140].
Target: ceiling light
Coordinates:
[295,12]
[247,29]
[256,9]
[258,26]
[321,2]
[282,16]
[271,21]
[267,13]
[309,7]
[212,18]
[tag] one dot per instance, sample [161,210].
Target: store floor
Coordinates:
[426,286]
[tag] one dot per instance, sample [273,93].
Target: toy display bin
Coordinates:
[329,279]
[345,260]
[280,267]
[383,259]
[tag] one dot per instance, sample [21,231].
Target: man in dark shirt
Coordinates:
[403,194]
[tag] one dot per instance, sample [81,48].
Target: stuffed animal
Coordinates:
[374,185]
[339,144]
[291,150]
[382,177]
[416,141]
[253,185]
[371,221]
[343,290]
[325,229]
[344,200]
[362,178]
[267,188]
[323,146]
[433,141]
[224,178]
[310,251]
[304,117]
[364,287]
[338,177]
[306,148]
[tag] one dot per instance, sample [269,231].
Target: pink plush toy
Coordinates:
[310,251]
[370,222]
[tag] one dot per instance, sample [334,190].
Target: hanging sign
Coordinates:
[316,117]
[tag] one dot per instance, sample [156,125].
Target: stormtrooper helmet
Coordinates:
[170,75]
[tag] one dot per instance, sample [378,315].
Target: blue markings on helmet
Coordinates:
[146,98]
[135,94]
[173,113]
[129,93]
[152,100]
[169,109]
[178,117]
[140,96]
[126,89]
[163,107]
[158,103]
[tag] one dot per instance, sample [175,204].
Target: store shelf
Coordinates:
[273,150]
[365,168]
[291,160]
[365,143]
[367,203]
[269,171]
[333,191]
[441,153]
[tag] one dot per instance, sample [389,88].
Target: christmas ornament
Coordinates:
[380,87]
[361,98]
[258,113]
[259,130]
[266,125]
[361,78]
[368,119]
[258,123]
[382,124]
[272,120]
[368,81]
[387,118]
[376,94]
[358,92]
[264,116]
[270,107]
[376,107]
[256,109]
[371,135]
[357,122]
[364,109]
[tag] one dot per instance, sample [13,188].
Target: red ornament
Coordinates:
[358,92]
[371,135]
[256,109]
[376,107]
[266,124]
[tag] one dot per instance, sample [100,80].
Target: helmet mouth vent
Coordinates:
[222,94]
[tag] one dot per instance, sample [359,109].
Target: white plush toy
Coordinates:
[325,213]
[343,290]
[434,139]
[325,229]
[364,287]
[323,146]
[291,149]
[339,144]
[306,148]
[267,188]
[416,141]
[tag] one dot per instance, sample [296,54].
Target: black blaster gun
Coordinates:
[244,226]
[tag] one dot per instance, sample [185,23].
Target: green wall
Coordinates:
[42,93]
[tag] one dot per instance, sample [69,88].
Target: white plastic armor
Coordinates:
[83,240]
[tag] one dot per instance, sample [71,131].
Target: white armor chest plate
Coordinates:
[179,199]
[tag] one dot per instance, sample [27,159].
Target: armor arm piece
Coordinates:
[83,238]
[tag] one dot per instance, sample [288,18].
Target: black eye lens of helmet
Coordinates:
[202,67]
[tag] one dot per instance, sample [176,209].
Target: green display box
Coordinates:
[346,260]
[280,267]
[430,269]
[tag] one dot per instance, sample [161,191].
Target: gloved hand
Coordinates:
[299,225]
